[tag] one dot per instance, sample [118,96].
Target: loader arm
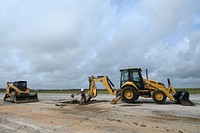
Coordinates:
[180,97]
[15,90]
[154,85]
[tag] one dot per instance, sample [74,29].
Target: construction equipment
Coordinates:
[18,92]
[133,85]
[106,82]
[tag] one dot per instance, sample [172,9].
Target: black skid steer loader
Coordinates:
[18,92]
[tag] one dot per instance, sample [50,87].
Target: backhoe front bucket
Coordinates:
[24,98]
[182,98]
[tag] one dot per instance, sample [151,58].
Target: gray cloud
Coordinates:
[58,44]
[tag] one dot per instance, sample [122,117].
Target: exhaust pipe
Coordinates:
[147,73]
[169,83]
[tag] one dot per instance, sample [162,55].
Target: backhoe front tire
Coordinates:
[129,94]
[159,96]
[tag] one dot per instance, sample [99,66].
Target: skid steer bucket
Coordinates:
[182,98]
[24,97]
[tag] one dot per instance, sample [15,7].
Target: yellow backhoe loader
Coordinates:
[133,85]
[18,92]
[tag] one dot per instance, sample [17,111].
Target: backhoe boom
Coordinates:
[105,81]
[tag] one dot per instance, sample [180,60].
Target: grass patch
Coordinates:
[70,91]
[99,91]
[55,91]
[2,90]
[190,90]
[104,91]
[63,91]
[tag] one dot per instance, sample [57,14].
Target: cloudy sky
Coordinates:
[59,43]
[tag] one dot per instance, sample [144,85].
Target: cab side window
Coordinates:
[124,77]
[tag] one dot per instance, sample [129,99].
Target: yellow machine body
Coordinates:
[133,85]
[18,92]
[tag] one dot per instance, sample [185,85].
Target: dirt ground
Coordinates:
[100,116]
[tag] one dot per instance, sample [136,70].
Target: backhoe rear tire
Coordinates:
[159,96]
[129,94]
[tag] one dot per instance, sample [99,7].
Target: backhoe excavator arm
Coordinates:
[105,81]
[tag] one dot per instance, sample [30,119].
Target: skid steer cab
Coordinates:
[18,92]
[133,85]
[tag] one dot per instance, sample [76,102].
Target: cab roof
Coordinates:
[130,69]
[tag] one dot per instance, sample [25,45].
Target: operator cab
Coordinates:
[132,75]
[22,85]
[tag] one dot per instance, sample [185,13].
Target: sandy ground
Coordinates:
[100,116]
